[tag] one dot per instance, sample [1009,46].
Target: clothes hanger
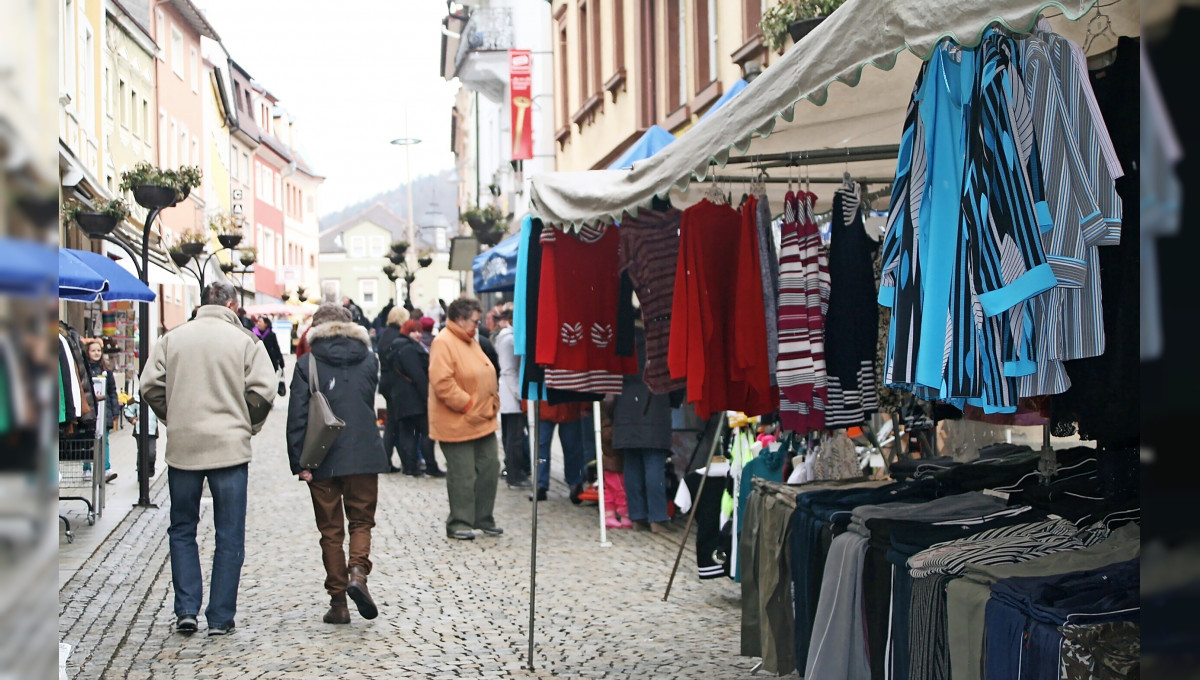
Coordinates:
[1096,28]
[714,193]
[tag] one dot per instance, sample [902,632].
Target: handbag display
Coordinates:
[323,425]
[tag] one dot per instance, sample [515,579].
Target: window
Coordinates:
[133,113]
[182,145]
[87,94]
[676,25]
[367,289]
[358,246]
[246,166]
[146,119]
[564,78]
[233,166]
[160,23]
[712,41]
[172,144]
[597,73]
[66,38]
[109,99]
[618,30]
[196,151]
[195,64]
[377,246]
[124,107]
[331,290]
[647,53]
[585,70]
[752,11]
[705,43]
[162,135]
[177,52]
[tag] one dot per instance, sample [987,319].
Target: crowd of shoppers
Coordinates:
[454,388]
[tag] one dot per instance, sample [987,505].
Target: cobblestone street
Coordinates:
[447,608]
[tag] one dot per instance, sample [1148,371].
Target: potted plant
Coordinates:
[192,242]
[424,260]
[187,178]
[227,267]
[228,229]
[389,269]
[247,256]
[95,223]
[486,224]
[150,186]
[796,18]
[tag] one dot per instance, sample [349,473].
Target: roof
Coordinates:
[195,18]
[379,215]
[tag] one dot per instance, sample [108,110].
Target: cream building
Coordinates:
[81,115]
[621,66]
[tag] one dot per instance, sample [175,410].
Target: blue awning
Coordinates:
[121,285]
[495,270]
[76,280]
[646,146]
[28,268]
[732,92]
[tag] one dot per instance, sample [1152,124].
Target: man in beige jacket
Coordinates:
[218,379]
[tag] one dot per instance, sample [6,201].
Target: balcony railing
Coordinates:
[488,30]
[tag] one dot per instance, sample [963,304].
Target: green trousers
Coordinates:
[472,473]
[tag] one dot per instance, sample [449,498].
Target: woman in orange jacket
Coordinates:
[464,401]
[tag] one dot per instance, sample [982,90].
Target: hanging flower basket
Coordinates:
[96,225]
[801,28]
[179,257]
[229,240]
[247,258]
[151,196]
[424,261]
[396,258]
[227,267]
[489,238]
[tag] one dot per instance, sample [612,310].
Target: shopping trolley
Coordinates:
[81,467]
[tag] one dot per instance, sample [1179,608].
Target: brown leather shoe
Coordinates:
[357,590]
[660,528]
[339,611]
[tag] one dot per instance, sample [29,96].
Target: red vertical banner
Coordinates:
[520,90]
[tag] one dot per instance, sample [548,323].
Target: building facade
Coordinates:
[622,66]
[177,26]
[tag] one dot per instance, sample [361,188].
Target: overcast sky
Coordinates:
[347,70]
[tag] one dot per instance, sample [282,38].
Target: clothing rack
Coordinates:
[739,179]
[848,154]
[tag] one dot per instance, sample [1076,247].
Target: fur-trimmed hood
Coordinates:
[339,343]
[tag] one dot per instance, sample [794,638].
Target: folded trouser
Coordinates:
[775,616]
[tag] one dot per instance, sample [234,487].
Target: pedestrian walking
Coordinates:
[406,362]
[463,404]
[98,368]
[387,382]
[221,391]
[427,325]
[344,488]
[568,420]
[265,333]
[642,430]
[513,425]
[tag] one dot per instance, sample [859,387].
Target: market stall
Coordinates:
[1018,193]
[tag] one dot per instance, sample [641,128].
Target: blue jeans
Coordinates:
[228,487]
[570,435]
[646,484]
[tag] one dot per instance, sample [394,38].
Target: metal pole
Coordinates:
[604,543]
[143,439]
[412,232]
[712,450]
[534,420]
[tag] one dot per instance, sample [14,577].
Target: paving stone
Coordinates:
[448,609]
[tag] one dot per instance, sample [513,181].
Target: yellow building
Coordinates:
[622,66]
[82,162]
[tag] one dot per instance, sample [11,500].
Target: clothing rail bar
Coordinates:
[820,156]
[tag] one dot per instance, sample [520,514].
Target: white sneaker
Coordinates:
[87,475]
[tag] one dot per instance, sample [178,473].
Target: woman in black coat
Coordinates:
[262,329]
[406,361]
[387,381]
[347,373]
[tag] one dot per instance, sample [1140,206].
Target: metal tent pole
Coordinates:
[712,450]
[534,419]
[604,543]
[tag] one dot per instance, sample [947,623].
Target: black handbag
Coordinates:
[323,425]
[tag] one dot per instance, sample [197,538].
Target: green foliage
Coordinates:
[116,208]
[185,178]
[225,223]
[777,19]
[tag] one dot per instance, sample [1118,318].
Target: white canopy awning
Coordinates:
[845,85]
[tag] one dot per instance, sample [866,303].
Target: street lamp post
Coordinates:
[408,142]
